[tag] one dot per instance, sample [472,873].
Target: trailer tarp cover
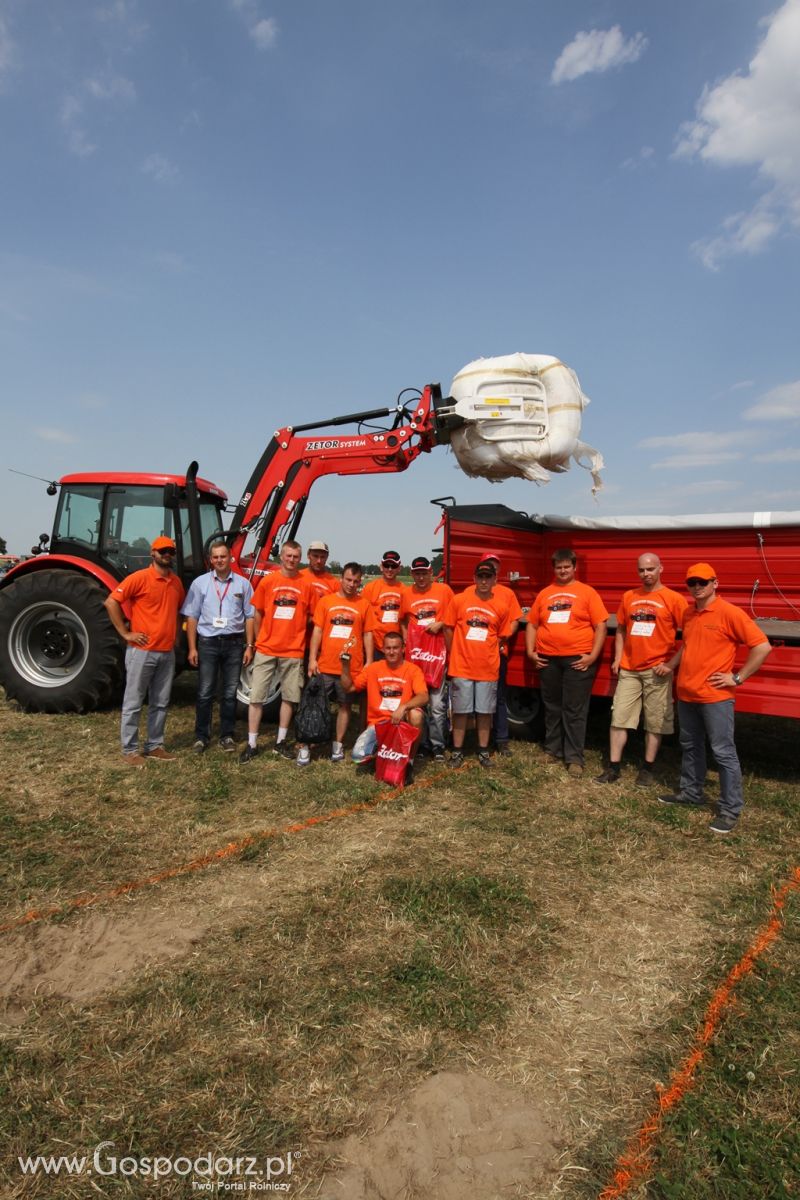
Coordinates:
[746,520]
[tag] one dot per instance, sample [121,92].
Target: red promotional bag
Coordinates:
[393,751]
[428,651]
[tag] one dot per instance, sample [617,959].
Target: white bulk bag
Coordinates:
[522,416]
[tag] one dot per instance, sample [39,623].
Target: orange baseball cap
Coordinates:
[701,571]
[163,543]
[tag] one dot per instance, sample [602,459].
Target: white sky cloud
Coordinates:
[691,441]
[752,119]
[787,455]
[49,433]
[7,51]
[159,167]
[593,51]
[109,86]
[71,117]
[780,404]
[704,486]
[700,458]
[264,33]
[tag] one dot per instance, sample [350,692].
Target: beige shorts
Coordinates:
[286,671]
[643,690]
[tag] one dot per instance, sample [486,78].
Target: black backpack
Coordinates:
[312,721]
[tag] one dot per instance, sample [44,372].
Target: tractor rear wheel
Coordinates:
[59,651]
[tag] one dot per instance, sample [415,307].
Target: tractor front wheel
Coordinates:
[59,651]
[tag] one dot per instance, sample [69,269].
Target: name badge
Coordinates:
[284,614]
[390,703]
[424,621]
[559,616]
[642,628]
[389,617]
[477,633]
[220,622]
[341,631]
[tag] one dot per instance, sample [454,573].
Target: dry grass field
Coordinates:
[472,989]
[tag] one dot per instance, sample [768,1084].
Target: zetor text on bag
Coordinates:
[428,651]
[393,751]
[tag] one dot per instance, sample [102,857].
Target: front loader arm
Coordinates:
[279,486]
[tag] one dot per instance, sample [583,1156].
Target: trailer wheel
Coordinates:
[525,713]
[59,651]
[272,704]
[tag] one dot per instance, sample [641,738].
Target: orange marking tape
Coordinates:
[636,1160]
[207,860]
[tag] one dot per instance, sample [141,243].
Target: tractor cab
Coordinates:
[112,519]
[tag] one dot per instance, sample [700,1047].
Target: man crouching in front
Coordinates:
[396,691]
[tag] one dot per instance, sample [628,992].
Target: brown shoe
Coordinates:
[575,770]
[133,760]
[161,754]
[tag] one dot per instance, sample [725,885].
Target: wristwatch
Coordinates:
[737,679]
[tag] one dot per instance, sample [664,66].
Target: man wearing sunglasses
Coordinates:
[152,598]
[713,631]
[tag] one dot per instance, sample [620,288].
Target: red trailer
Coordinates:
[756,557]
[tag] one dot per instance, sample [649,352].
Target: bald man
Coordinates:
[648,620]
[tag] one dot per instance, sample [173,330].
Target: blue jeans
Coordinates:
[218,657]
[148,673]
[434,727]
[714,720]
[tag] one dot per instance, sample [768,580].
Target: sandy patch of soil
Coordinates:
[455,1135]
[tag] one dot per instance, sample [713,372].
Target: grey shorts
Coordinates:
[643,690]
[335,691]
[473,695]
[286,671]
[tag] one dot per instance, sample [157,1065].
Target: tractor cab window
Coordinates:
[78,516]
[134,517]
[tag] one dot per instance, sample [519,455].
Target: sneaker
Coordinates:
[337,755]
[677,798]
[610,775]
[303,757]
[134,759]
[199,746]
[723,824]
[227,744]
[484,759]
[645,778]
[161,754]
[284,750]
[439,756]
[248,754]
[575,770]
[456,758]
[503,750]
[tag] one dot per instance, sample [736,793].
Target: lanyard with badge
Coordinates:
[221,622]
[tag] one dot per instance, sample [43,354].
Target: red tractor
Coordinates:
[58,649]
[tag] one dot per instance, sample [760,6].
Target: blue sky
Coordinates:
[219,216]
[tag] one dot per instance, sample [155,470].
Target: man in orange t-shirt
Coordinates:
[385,596]
[282,604]
[713,631]
[481,618]
[342,622]
[153,598]
[648,620]
[423,608]
[396,691]
[317,572]
[564,638]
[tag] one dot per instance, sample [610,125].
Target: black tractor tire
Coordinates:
[59,651]
[525,713]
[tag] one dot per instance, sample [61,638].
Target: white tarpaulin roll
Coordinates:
[522,416]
